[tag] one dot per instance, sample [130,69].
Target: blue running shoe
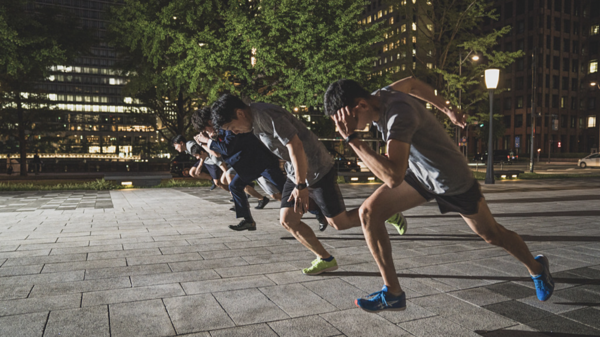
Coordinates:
[382,300]
[544,284]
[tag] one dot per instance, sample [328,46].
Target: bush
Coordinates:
[185,183]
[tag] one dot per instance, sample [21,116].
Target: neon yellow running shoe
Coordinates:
[398,221]
[320,266]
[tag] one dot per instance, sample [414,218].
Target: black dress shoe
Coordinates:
[244,225]
[262,203]
[322,222]
[213,186]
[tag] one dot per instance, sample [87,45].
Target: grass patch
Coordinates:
[531,176]
[184,183]
[97,185]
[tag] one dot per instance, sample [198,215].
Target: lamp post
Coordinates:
[491,82]
[474,58]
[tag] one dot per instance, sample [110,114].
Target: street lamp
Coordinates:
[474,58]
[491,82]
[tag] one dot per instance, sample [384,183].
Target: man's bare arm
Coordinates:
[390,170]
[300,163]
[422,91]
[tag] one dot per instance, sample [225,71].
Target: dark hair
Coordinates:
[178,139]
[196,149]
[200,118]
[223,110]
[343,93]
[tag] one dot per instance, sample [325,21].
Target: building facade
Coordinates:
[97,118]
[556,35]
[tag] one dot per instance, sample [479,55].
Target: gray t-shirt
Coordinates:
[210,160]
[276,127]
[434,158]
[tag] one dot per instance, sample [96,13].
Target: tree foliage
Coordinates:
[280,51]
[33,38]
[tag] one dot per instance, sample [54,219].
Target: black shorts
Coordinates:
[466,203]
[325,193]
[214,171]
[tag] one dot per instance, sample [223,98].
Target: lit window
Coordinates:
[392,45]
[385,47]
[429,66]
[385,60]
[414,52]
[403,3]
[404,67]
[403,40]
[414,39]
[391,9]
[430,27]
[392,20]
[403,28]
[414,65]
[379,14]
[414,26]
[595,30]
[591,121]
[369,19]
[593,66]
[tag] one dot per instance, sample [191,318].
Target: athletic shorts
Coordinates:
[466,203]
[267,186]
[325,193]
[214,171]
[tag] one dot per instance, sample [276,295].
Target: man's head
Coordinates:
[198,152]
[202,122]
[179,143]
[349,93]
[229,112]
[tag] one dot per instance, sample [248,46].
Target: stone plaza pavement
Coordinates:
[162,262]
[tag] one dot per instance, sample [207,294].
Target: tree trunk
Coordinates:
[21,131]
[180,114]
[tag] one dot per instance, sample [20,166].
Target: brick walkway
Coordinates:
[162,262]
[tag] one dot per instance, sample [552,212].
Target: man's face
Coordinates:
[180,147]
[362,112]
[242,124]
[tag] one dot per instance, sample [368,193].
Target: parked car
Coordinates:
[500,156]
[593,160]
[344,164]
[181,164]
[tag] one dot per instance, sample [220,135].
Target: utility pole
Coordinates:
[533,110]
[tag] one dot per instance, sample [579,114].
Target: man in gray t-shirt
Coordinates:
[421,164]
[308,164]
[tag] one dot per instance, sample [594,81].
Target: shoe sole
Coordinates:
[376,311]
[322,271]
[546,264]
[243,229]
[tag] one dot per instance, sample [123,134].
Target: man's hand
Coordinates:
[456,116]
[345,121]
[300,198]
[201,138]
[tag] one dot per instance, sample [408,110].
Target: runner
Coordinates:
[215,166]
[422,164]
[198,170]
[249,159]
[314,175]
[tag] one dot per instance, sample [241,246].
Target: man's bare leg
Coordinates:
[484,225]
[345,220]
[292,222]
[250,190]
[381,205]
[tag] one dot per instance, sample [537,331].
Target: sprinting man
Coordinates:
[422,164]
[249,159]
[213,164]
[311,175]
[198,170]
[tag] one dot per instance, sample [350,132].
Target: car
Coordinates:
[181,164]
[593,160]
[500,156]
[344,164]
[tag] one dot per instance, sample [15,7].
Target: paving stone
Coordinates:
[26,261]
[207,264]
[40,304]
[518,311]
[154,259]
[297,300]
[435,326]
[50,289]
[141,318]
[555,304]
[220,254]
[511,290]
[92,321]
[95,264]
[587,316]
[25,325]
[122,253]
[43,278]
[92,274]
[197,313]
[9,292]
[164,278]
[254,270]
[353,322]
[480,296]
[335,291]
[20,270]
[257,330]
[228,284]
[131,294]
[249,306]
[557,324]
[304,326]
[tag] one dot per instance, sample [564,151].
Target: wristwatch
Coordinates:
[350,137]
[300,186]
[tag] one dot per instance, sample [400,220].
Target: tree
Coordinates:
[280,51]
[32,39]
[448,33]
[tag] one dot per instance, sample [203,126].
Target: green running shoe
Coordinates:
[320,266]
[398,221]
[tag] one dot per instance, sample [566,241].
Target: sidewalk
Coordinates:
[162,262]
